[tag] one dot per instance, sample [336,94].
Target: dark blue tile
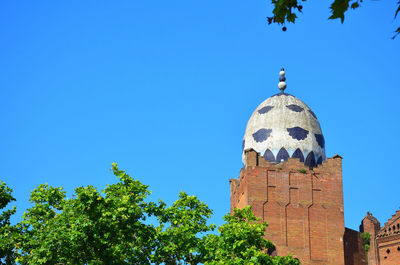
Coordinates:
[269,156]
[310,159]
[319,162]
[295,108]
[265,109]
[282,155]
[320,140]
[297,133]
[243,144]
[262,135]
[298,154]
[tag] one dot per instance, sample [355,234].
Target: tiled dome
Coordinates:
[283,126]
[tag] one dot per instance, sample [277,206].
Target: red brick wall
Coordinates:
[388,241]
[389,250]
[304,210]
[354,253]
[371,225]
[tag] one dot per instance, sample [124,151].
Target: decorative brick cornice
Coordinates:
[387,238]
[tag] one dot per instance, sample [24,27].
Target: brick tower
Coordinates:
[289,183]
[385,241]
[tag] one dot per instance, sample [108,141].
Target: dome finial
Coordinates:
[282,79]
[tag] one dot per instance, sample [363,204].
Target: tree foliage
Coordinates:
[288,10]
[93,228]
[366,238]
[241,241]
[119,225]
[181,231]
[7,231]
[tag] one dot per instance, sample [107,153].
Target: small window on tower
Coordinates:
[398,248]
[388,251]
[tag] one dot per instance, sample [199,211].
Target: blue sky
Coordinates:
[165,88]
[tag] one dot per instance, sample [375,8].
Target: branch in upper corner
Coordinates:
[397,32]
[287,11]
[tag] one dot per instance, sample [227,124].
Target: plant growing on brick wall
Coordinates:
[365,238]
[302,170]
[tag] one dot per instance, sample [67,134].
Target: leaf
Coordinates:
[338,8]
[397,33]
[355,5]
[291,17]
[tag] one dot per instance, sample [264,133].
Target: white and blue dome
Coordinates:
[283,126]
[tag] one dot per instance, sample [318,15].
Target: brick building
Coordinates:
[291,185]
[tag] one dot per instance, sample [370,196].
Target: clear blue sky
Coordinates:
[165,88]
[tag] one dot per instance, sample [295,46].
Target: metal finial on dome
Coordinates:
[282,79]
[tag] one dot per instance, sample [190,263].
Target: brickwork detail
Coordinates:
[354,251]
[388,241]
[303,206]
[371,225]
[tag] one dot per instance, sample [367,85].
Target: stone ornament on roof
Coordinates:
[282,79]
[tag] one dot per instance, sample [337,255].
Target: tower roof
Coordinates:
[283,126]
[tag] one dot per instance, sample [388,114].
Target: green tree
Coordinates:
[288,10]
[241,241]
[182,229]
[113,227]
[7,231]
[92,228]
